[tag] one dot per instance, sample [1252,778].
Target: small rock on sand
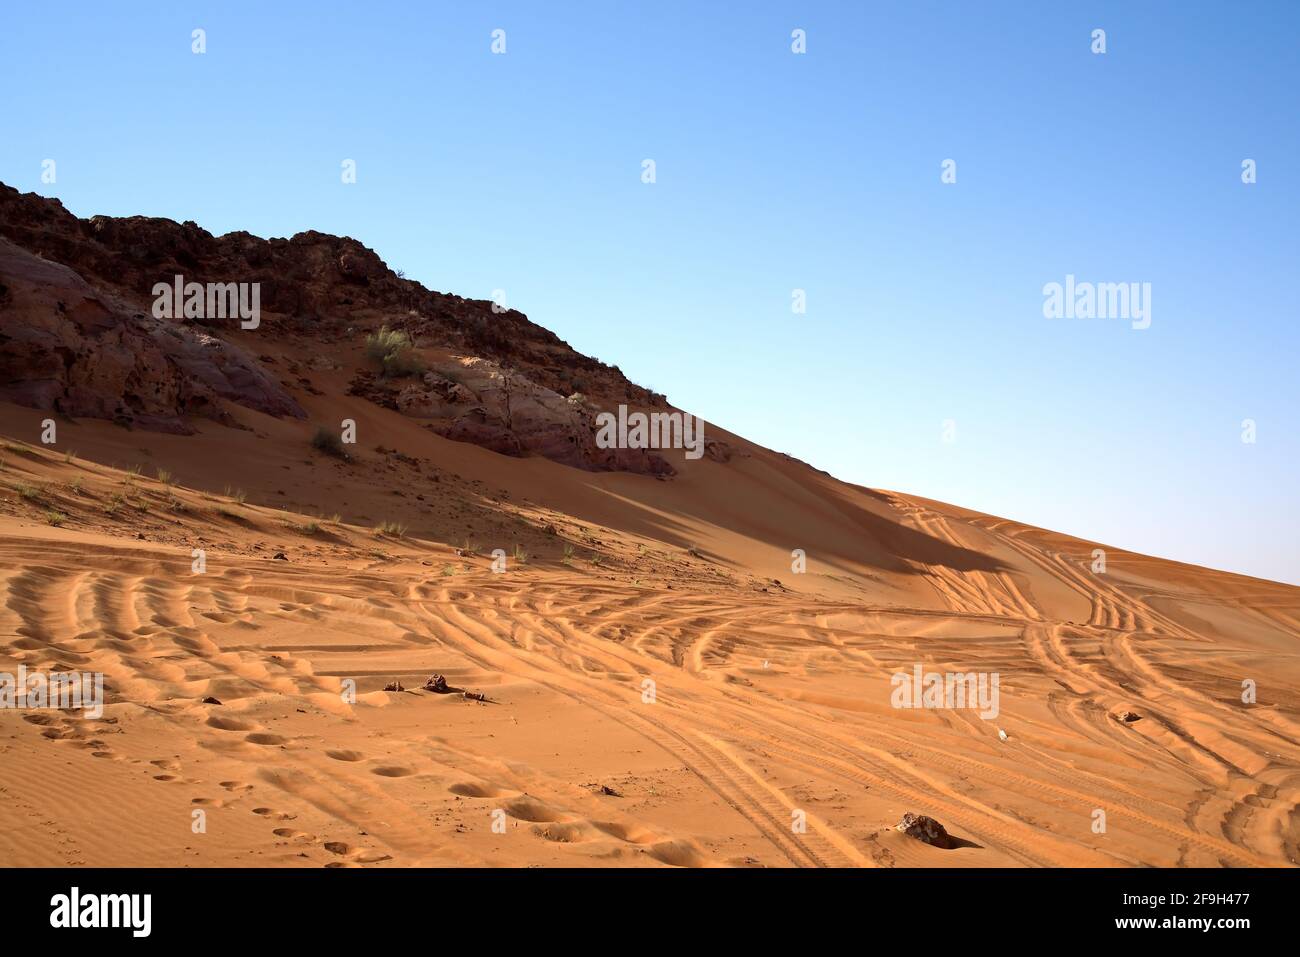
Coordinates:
[924,829]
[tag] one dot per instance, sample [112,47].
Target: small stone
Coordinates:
[925,829]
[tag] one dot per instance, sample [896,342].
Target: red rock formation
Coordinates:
[478,401]
[78,335]
[66,347]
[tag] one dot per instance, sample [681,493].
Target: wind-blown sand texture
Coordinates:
[769,698]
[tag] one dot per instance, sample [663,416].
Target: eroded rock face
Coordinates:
[68,348]
[476,400]
[435,397]
[312,285]
[78,335]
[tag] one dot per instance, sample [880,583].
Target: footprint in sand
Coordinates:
[266,739]
[532,811]
[229,724]
[356,855]
[392,771]
[471,789]
[296,837]
[97,747]
[236,786]
[272,813]
[559,833]
[676,854]
[340,755]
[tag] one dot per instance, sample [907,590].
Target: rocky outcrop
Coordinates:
[68,348]
[78,334]
[311,285]
[476,400]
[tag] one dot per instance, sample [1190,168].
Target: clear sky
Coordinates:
[777,171]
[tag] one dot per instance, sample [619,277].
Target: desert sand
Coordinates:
[660,687]
[769,698]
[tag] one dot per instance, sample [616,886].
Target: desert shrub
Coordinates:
[381,343]
[327,440]
[402,365]
[393,350]
[29,492]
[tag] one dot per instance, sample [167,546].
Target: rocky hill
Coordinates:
[79,335]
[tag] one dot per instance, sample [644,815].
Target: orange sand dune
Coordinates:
[661,688]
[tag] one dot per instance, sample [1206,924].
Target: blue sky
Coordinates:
[777,171]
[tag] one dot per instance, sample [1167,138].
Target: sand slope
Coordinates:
[771,699]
